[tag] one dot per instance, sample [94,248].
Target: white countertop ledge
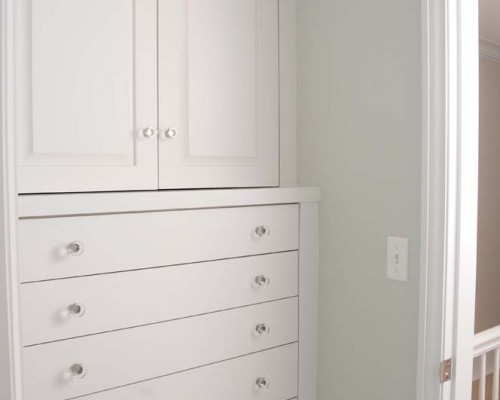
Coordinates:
[72,204]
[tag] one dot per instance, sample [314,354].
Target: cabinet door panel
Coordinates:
[86,88]
[219,85]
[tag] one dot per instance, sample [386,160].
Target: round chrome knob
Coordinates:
[262,280]
[75,248]
[78,370]
[76,310]
[262,329]
[150,132]
[262,383]
[171,133]
[262,231]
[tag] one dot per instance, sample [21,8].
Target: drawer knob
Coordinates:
[262,280]
[262,231]
[75,248]
[150,132]
[78,371]
[171,133]
[262,383]
[262,329]
[76,310]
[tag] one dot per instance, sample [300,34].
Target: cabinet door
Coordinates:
[219,86]
[86,90]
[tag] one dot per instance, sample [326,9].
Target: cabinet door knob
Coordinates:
[78,371]
[150,132]
[262,280]
[262,383]
[75,248]
[171,133]
[262,329]
[76,310]
[262,231]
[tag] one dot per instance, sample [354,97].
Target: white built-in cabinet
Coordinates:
[116,289]
[145,94]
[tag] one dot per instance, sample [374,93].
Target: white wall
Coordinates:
[359,123]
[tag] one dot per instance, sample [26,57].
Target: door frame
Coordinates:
[450,105]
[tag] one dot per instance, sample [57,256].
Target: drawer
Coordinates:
[65,308]
[229,380]
[70,368]
[52,248]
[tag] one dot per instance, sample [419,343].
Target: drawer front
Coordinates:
[73,307]
[229,380]
[123,357]
[74,246]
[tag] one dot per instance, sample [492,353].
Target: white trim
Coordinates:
[8,203]
[467,83]
[489,50]
[433,200]
[100,203]
[308,299]
[449,196]
[288,92]
[486,341]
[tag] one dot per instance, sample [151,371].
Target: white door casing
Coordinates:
[449,197]
[218,93]
[86,88]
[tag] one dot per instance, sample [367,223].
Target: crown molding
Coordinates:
[489,50]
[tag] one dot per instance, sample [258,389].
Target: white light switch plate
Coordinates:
[397,259]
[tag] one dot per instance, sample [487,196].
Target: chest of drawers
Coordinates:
[168,298]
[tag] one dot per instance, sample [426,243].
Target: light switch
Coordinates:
[397,259]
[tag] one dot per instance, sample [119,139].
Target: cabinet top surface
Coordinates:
[52,205]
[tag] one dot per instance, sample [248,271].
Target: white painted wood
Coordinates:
[219,86]
[121,242]
[496,374]
[288,92]
[10,355]
[449,197]
[308,300]
[482,379]
[116,301]
[102,203]
[132,355]
[230,380]
[86,87]
[10,371]
[467,104]
[486,341]
[430,352]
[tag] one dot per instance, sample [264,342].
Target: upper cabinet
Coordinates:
[86,92]
[146,94]
[219,93]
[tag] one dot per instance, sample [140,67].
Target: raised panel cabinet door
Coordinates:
[219,93]
[86,95]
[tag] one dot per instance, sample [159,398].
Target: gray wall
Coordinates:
[359,139]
